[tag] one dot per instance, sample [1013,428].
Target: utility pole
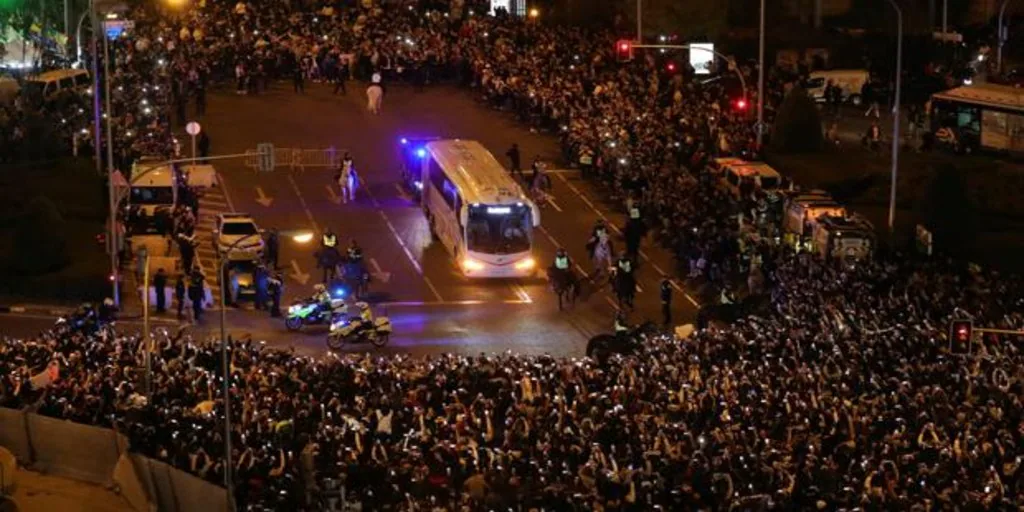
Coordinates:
[639,21]
[96,90]
[1001,34]
[760,81]
[896,117]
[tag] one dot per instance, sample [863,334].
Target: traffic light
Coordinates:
[671,67]
[740,105]
[961,336]
[624,50]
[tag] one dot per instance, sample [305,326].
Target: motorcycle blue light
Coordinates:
[422,153]
[340,292]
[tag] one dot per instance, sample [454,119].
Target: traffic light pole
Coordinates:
[743,83]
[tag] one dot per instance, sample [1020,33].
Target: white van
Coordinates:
[50,83]
[762,176]
[153,185]
[849,81]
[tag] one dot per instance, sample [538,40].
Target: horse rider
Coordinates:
[625,280]
[563,267]
[330,240]
[726,297]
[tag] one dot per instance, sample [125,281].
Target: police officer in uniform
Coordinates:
[726,296]
[275,287]
[625,276]
[666,301]
[330,240]
[563,267]
[621,326]
[634,230]
[354,253]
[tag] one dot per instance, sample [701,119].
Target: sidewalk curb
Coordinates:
[39,310]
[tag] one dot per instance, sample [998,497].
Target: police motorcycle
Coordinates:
[354,273]
[320,309]
[359,329]
[88,319]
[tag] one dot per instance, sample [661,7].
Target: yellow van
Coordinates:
[48,84]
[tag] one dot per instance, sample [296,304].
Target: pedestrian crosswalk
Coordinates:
[213,202]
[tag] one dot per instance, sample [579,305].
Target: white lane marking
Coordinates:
[402,193]
[551,201]
[419,303]
[224,188]
[378,274]
[612,302]
[297,274]
[332,195]
[522,293]
[210,203]
[262,198]
[302,201]
[616,229]
[401,243]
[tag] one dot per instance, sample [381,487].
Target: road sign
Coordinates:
[193,128]
[114,28]
[265,159]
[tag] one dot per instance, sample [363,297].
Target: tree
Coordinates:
[39,239]
[797,127]
[688,20]
[948,212]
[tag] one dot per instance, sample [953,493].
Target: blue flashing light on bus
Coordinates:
[422,153]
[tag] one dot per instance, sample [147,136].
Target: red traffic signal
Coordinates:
[671,67]
[624,50]
[961,336]
[740,104]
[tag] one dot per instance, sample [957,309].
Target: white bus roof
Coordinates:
[479,176]
[755,169]
[986,95]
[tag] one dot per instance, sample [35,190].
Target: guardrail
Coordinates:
[100,456]
[299,159]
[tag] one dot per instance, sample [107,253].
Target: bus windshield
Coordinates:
[152,195]
[499,229]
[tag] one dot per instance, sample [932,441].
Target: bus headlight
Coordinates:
[468,265]
[526,264]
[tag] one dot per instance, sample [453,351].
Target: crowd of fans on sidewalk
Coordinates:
[841,395]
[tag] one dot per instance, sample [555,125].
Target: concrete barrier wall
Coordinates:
[98,455]
[75,451]
[14,434]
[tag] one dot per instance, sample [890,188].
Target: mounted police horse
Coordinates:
[624,286]
[603,346]
[565,286]
[728,314]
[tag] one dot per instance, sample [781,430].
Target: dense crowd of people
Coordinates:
[842,394]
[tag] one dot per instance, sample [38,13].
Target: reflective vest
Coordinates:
[562,262]
[725,298]
[330,240]
[355,253]
[626,266]
[619,327]
[634,213]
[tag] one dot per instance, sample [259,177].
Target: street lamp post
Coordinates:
[639,21]
[223,258]
[1001,34]
[760,81]
[110,172]
[896,117]
[96,94]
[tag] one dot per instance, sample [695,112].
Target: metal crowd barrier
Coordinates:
[300,159]
[100,456]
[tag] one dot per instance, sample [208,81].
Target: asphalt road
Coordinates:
[433,308]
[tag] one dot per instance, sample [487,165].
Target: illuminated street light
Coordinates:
[534,13]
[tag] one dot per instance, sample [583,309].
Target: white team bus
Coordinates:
[477,210]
